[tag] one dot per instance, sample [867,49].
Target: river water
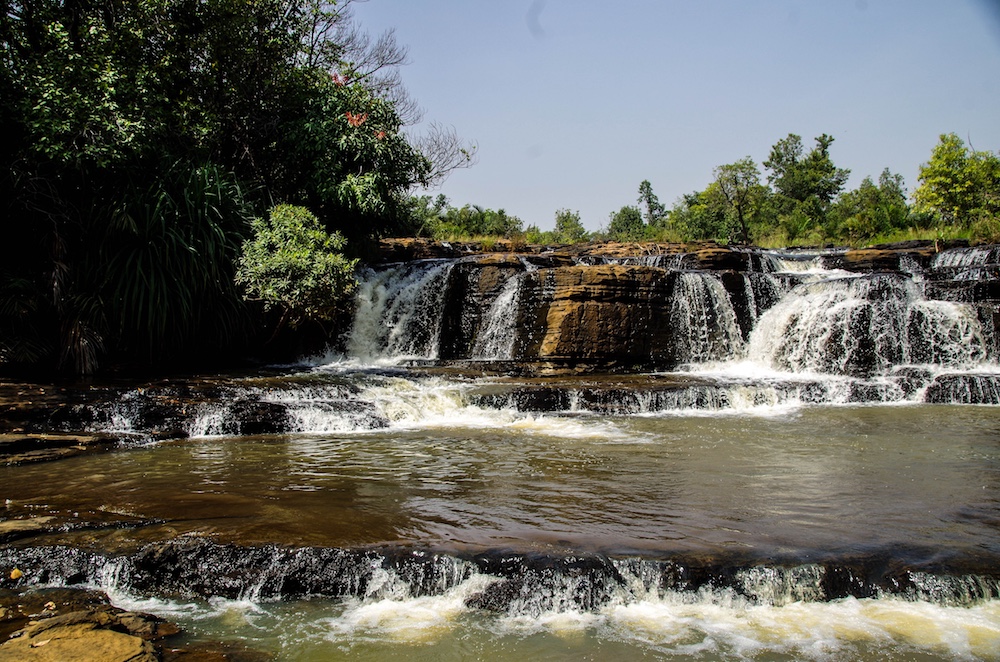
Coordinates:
[764,504]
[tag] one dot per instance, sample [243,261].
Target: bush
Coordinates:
[294,264]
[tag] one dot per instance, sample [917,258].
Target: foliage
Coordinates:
[653,211]
[292,263]
[140,136]
[626,225]
[805,185]
[163,265]
[959,185]
[870,211]
[740,187]
[701,215]
[438,219]
[569,229]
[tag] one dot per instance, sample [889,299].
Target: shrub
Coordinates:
[292,263]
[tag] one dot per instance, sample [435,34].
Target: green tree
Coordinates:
[477,221]
[870,210]
[740,187]
[569,229]
[292,263]
[805,185]
[626,225]
[652,210]
[701,215]
[959,185]
[425,215]
[117,114]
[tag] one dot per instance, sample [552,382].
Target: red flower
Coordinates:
[380,135]
[356,120]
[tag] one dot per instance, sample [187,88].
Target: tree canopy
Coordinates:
[143,137]
[958,184]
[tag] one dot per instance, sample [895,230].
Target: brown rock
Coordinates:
[603,313]
[18,528]
[83,636]
[25,448]
[719,258]
[881,259]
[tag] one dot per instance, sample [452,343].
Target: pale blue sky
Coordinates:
[574,109]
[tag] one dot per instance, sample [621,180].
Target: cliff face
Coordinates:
[610,312]
[657,306]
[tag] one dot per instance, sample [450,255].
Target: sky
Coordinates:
[573,103]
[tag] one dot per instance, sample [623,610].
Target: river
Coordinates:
[762,501]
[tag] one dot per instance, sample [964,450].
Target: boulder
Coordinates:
[80,625]
[80,636]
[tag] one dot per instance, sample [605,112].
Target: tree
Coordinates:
[739,185]
[701,215]
[292,263]
[653,211]
[870,210]
[958,184]
[119,114]
[805,184]
[626,225]
[569,229]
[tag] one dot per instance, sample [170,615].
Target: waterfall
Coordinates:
[703,319]
[399,312]
[968,264]
[667,261]
[965,258]
[498,333]
[866,326]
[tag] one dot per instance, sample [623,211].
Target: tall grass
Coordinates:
[166,263]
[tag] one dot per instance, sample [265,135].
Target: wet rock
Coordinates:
[984,287]
[534,399]
[866,260]
[606,313]
[969,389]
[249,417]
[214,652]
[21,528]
[27,448]
[23,522]
[719,258]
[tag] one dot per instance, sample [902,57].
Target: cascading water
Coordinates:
[863,326]
[378,506]
[399,312]
[498,333]
[703,320]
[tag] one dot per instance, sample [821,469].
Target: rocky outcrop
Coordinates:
[26,448]
[63,624]
[588,310]
[603,313]
[81,625]
[610,306]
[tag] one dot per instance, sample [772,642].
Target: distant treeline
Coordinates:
[802,200]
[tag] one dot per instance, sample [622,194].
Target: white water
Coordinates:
[399,313]
[833,338]
[704,625]
[499,328]
[865,325]
[703,320]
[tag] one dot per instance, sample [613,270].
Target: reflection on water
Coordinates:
[814,481]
